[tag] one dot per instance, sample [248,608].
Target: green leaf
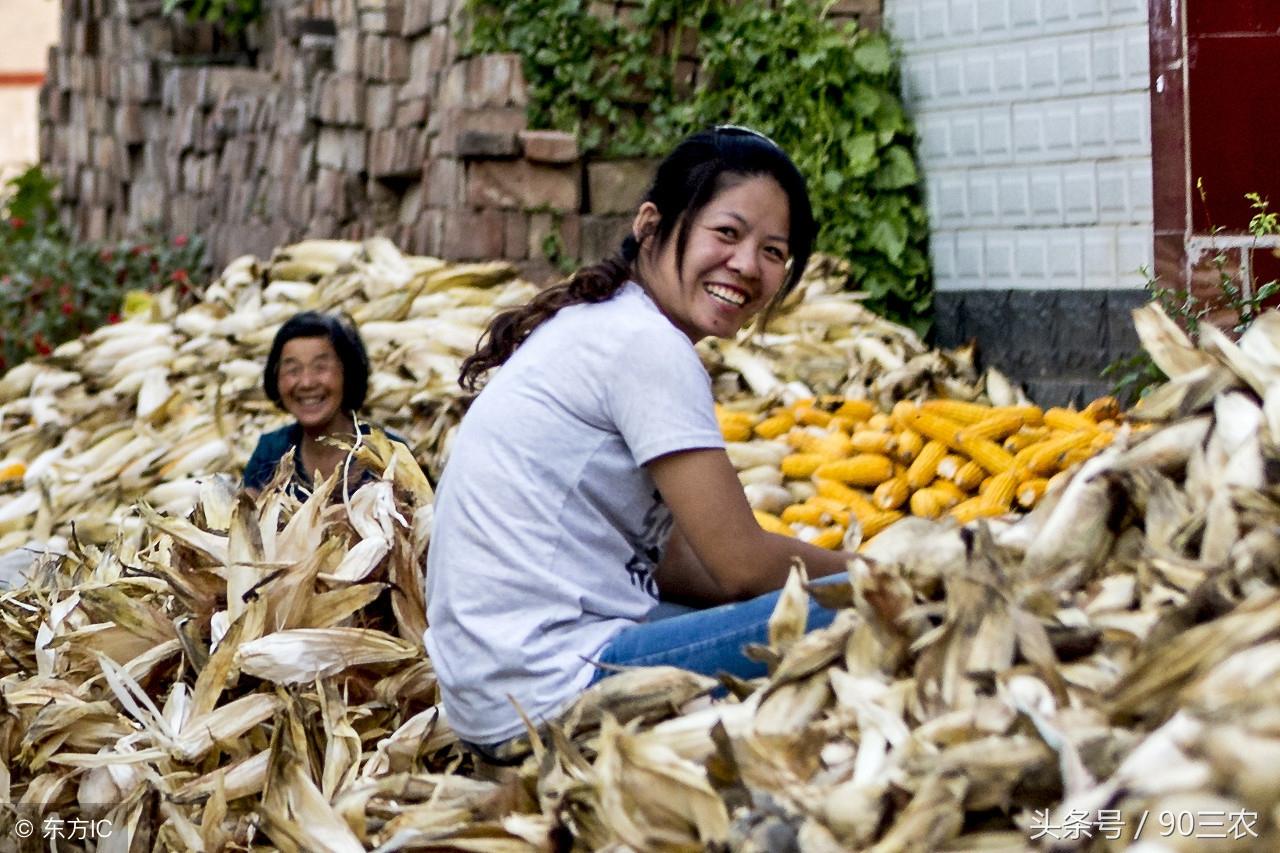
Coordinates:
[873,56]
[889,236]
[897,169]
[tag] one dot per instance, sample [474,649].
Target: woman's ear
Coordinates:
[645,224]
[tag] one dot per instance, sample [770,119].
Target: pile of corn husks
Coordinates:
[1098,672]
[144,409]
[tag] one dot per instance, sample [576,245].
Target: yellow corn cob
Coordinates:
[843,424]
[876,523]
[772,524]
[833,445]
[805,513]
[948,465]
[986,453]
[832,494]
[829,445]
[936,427]
[1058,481]
[995,427]
[1068,421]
[838,512]
[956,410]
[1076,456]
[1102,409]
[1101,440]
[873,441]
[909,445]
[735,430]
[799,465]
[929,503]
[925,466]
[973,508]
[950,490]
[1030,491]
[1000,490]
[775,425]
[865,469]
[880,421]
[903,410]
[830,538]
[1046,457]
[856,410]
[1031,415]
[1026,437]
[892,493]
[812,416]
[12,471]
[969,476]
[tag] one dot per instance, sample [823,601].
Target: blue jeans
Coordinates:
[705,641]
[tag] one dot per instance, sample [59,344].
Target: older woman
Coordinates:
[317,371]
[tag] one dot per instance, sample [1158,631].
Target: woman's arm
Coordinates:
[683,579]
[710,509]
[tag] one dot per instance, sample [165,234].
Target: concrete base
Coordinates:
[1054,342]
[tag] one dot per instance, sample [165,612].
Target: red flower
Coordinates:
[68,309]
[179,277]
[17,222]
[113,318]
[107,256]
[140,249]
[181,240]
[41,346]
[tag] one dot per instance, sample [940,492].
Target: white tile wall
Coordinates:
[1035,138]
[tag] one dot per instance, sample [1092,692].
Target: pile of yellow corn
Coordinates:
[820,466]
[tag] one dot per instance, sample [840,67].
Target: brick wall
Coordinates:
[1035,141]
[334,118]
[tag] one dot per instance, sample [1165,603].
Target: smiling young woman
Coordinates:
[589,478]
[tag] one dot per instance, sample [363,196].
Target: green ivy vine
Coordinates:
[827,93]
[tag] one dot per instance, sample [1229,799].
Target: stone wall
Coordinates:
[333,118]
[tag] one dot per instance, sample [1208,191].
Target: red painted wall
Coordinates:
[1233,77]
[1215,118]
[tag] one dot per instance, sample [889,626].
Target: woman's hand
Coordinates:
[711,512]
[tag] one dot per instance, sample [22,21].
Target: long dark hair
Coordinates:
[685,182]
[346,343]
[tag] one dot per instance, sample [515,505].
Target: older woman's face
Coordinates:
[310,383]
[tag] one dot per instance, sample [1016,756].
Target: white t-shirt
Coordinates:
[547,527]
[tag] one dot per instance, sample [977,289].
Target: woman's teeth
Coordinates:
[727,294]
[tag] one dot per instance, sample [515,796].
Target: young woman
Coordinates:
[590,472]
[318,372]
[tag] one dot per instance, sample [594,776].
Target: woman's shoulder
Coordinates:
[281,438]
[630,313]
[366,428]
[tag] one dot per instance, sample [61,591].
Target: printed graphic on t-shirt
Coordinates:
[648,551]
